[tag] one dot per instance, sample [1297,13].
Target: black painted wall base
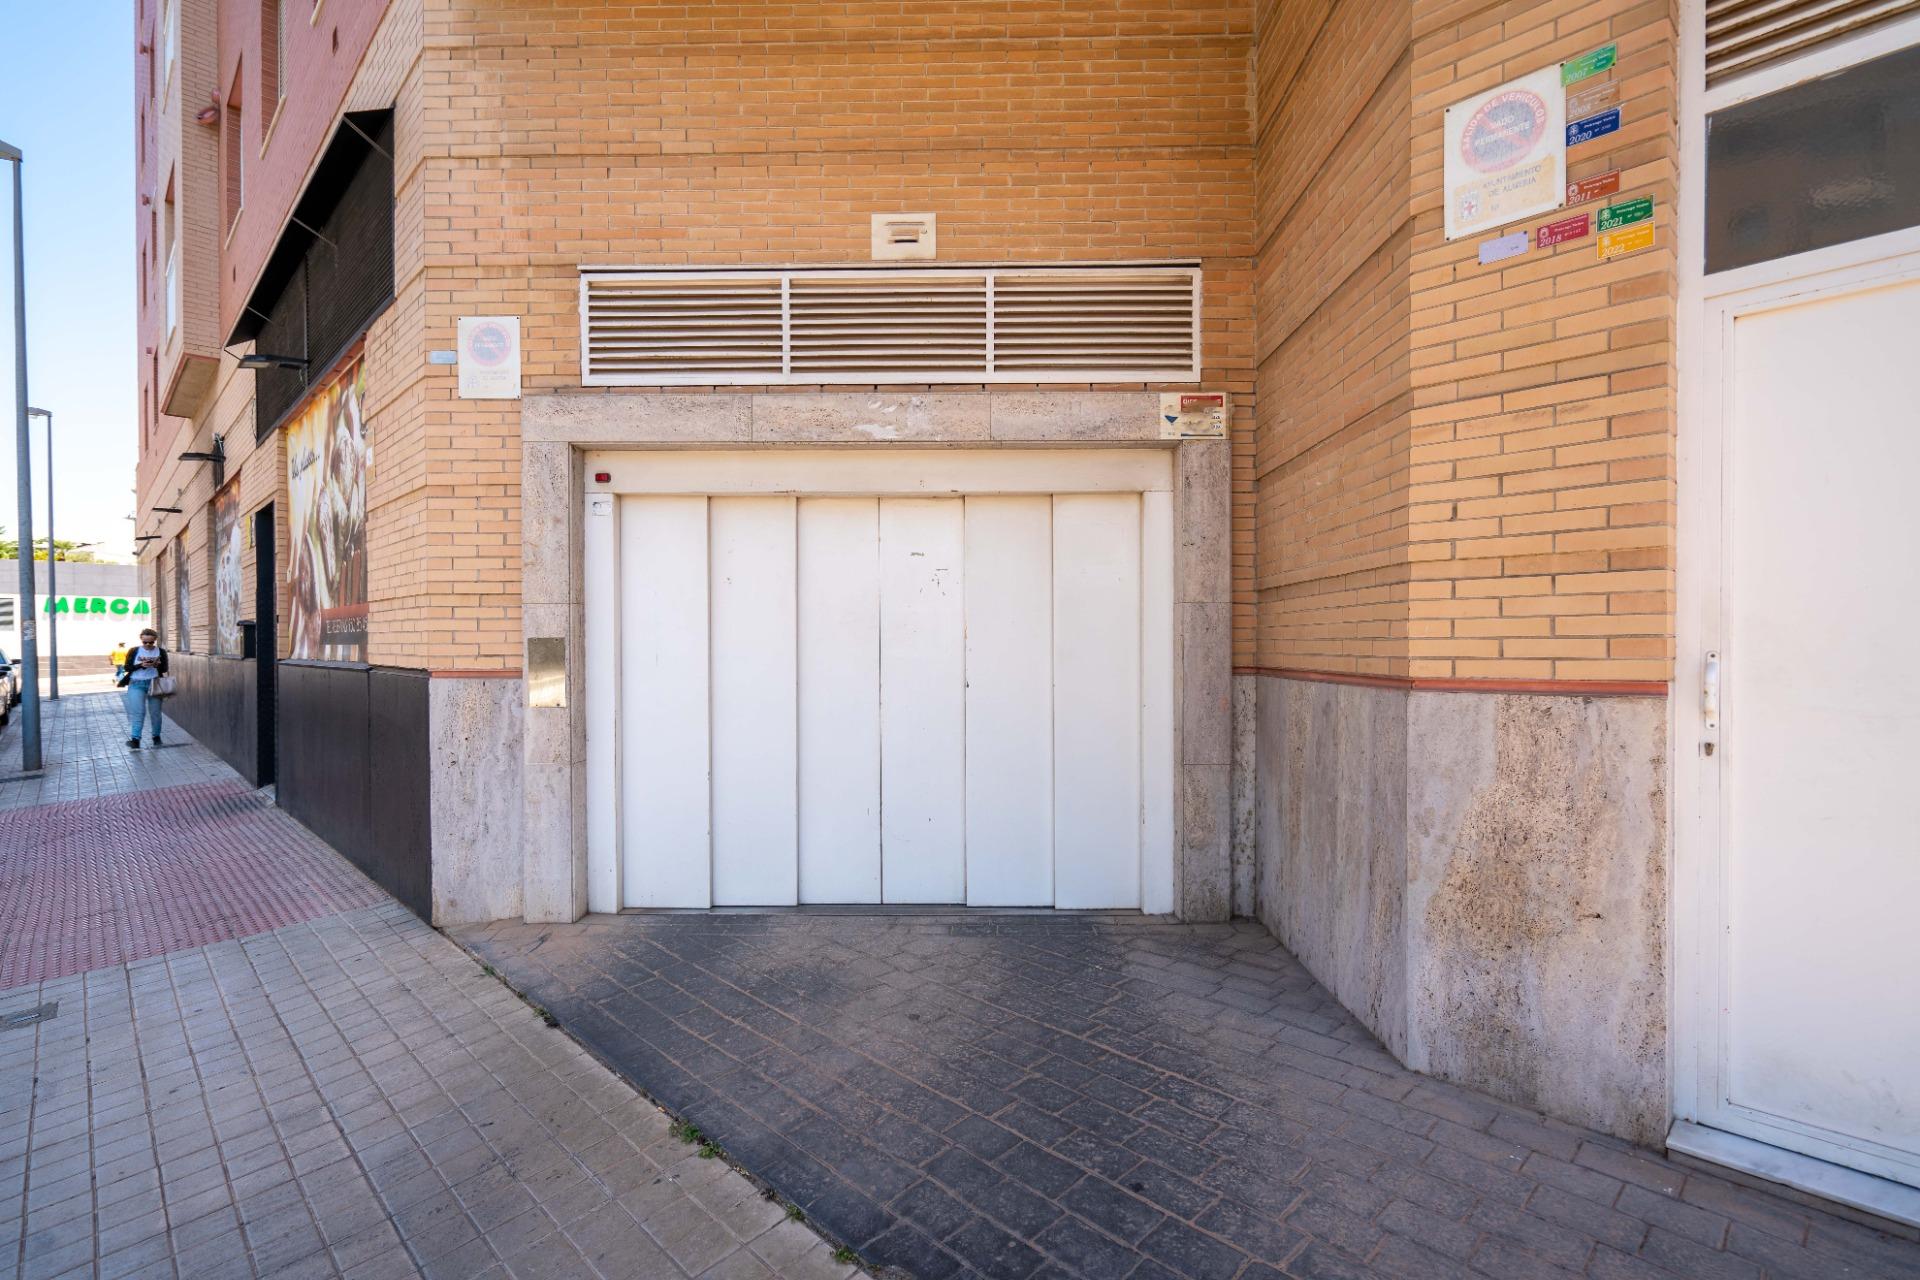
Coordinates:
[217,701]
[352,760]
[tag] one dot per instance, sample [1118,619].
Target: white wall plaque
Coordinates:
[489,357]
[1506,153]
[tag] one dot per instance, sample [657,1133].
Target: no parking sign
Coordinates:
[489,357]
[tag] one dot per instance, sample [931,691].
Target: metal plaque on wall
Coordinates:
[546,671]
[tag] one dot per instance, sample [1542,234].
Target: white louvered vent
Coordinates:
[1744,34]
[923,325]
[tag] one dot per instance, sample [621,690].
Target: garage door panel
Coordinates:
[922,701]
[752,670]
[839,699]
[1096,700]
[1009,724]
[663,702]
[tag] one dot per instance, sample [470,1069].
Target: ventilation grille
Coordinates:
[1744,34]
[1063,324]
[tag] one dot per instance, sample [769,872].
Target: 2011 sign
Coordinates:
[1594,188]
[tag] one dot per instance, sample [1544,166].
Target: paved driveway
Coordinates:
[1049,1095]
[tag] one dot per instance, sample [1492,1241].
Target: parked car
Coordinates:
[9,687]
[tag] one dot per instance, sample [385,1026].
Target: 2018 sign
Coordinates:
[1566,229]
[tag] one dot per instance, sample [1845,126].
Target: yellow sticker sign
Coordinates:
[1615,244]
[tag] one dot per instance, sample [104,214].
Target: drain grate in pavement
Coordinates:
[27,1017]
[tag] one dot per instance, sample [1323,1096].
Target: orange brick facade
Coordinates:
[760,134]
[1441,470]
[1541,509]
[1463,471]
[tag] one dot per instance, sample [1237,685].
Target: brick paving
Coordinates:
[348,1094]
[140,873]
[1028,1096]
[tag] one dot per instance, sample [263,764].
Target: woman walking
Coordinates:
[143,666]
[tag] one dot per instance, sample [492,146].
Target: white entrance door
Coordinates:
[1802,817]
[879,697]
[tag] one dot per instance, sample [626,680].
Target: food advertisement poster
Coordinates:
[327,461]
[227,549]
[1506,154]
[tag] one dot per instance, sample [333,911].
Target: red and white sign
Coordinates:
[489,357]
[1193,415]
[1506,153]
[1566,229]
[1593,188]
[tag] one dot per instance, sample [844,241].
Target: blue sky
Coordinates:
[66,100]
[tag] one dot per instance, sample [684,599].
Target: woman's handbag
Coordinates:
[162,687]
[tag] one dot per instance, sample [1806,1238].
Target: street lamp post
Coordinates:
[53,573]
[29,650]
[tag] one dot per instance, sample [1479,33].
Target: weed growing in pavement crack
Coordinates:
[684,1132]
[796,1213]
[845,1256]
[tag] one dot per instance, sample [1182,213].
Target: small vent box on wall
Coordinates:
[903,237]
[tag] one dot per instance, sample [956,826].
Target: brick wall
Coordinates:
[766,133]
[1543,503]
[1449,470]
[1463,471]
[1333,88]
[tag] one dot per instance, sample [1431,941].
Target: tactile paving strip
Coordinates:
[90,883]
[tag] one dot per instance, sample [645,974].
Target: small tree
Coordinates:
[64,550]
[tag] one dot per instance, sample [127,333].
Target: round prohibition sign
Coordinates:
[490,344]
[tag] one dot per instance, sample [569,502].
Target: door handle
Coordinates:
[1710,702]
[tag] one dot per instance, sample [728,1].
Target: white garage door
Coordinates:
[890,698]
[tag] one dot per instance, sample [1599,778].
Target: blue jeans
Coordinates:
[141,707]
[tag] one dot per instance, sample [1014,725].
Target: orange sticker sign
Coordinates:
[1593,188]
[1616,244]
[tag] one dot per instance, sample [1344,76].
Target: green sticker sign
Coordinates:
[1626,213]
[1588,64]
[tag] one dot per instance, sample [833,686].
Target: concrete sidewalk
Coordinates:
[228,1054]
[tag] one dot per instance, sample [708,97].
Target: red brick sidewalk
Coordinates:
[88,883]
